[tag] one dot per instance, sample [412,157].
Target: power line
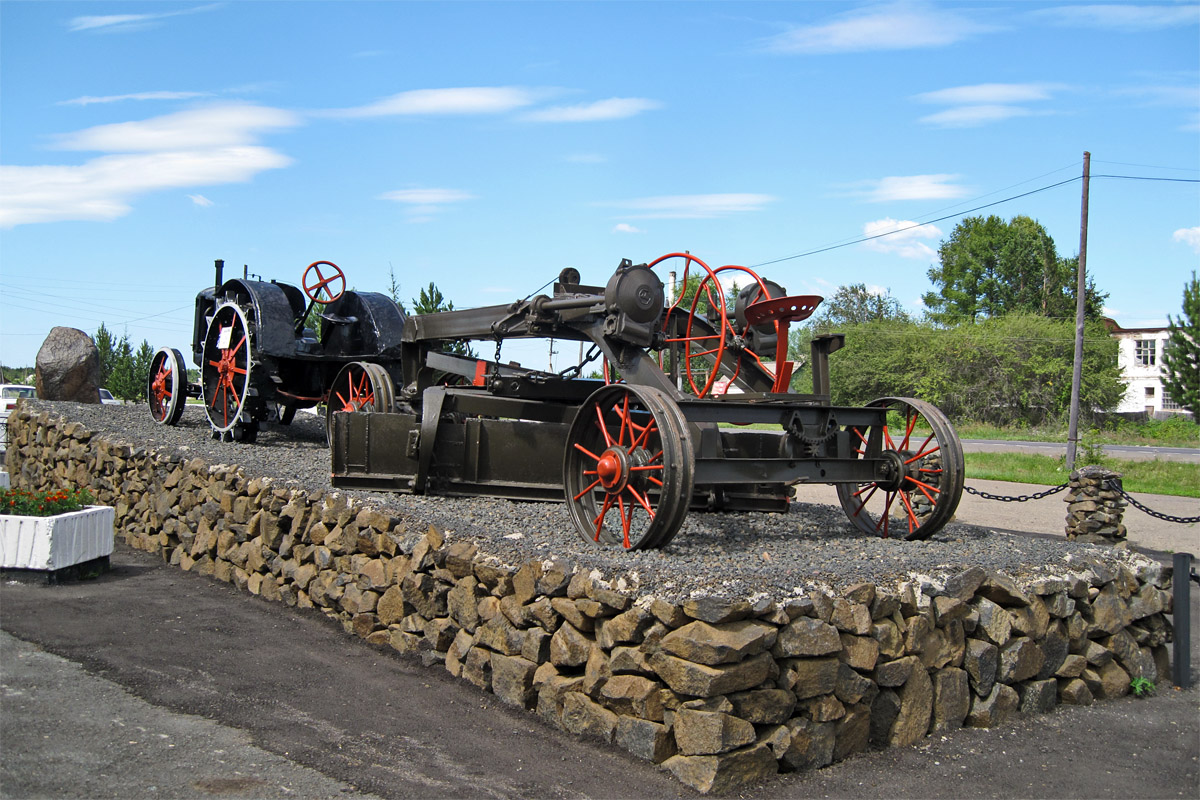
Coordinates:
[915,225]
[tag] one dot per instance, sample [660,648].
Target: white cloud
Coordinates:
[1123,17]
[461,100]
[1111,312]
[421,205]
[1189,236]
[203,147]
[123,23]
[623,227]
[695,206]
[88,100]
[103,188]
[612,108]
[896,26]
[909,187]
[902,238]
[215,126]
[974,116]
[990,94]
[984,103]
[200,200]
[427,197]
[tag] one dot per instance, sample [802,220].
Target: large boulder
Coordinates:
[68,367]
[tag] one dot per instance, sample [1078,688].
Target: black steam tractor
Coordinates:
[260,361]
[694,411]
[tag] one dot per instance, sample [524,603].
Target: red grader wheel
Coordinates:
[629,468]
[927,471]
[166,386]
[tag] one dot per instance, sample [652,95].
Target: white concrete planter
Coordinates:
[52,543]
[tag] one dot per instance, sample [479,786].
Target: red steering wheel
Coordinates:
[313,289]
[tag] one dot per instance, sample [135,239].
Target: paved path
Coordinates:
[1048,516]
[1056,449]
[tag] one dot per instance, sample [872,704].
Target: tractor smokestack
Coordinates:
[220,265]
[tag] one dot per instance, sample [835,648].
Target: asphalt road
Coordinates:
[1125,451]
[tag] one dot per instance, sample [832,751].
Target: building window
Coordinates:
[1143,352]
[1169,404]
[1149,392]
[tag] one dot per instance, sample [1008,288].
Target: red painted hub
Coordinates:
[610,469]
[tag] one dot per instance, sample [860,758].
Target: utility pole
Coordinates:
[1081,287]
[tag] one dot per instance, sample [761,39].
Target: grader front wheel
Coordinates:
[926,468]
[359,386]
[166,389]
[629,468]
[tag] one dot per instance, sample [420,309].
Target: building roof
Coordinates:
[1114,328]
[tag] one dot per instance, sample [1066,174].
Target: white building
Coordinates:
[1140,359]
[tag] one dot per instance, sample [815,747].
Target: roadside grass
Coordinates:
[1177,478]
[1178,431]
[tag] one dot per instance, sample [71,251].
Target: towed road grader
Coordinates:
[693,412]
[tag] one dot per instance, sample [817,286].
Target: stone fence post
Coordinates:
[1094,507]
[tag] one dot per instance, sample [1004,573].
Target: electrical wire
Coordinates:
[916,225]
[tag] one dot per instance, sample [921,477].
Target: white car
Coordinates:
[107,398]
[10,393]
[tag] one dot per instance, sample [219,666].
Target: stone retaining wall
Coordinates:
[721,692]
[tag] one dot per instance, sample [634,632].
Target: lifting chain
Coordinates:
[571,373]
[1021,498]
[1112,484]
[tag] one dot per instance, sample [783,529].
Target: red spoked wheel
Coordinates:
[225,375]
[359,386]
[699,347]
[166,386]
[629,468]
[926,471]
[317,285]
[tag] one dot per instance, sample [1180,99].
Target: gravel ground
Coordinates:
[727,554]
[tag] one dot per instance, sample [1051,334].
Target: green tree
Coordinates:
[989,267]
[122,381]
[432,301]
[141,368]
[856,304]
[1009,370]
[107,345]
[1181,356]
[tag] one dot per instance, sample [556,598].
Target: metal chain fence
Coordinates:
[1112,484]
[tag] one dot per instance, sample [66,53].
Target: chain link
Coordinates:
[1112,484]
[572,372]
[1021,498]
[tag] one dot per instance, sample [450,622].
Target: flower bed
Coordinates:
[58,541]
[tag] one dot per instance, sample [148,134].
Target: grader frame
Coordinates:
[630,456]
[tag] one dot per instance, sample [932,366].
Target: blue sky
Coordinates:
[485,146]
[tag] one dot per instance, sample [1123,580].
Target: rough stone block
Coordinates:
[512,680]
[710,733]
[951,699]
[724,643]
[764,706]
[650,741]
[701,680]
[810,677]
[995,709]
[1038,697]
[583,717]
[726,772]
